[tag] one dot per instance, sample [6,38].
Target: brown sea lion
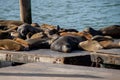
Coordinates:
[38,35]
[90,45]
[6,24]
[99,42]
[41,42]
[82,34]
[24,29]
[106,41]
[6,34]
[8,44]
[50,30]
[113,31]
[103,40]
[92,31]
[42,36]
[22,42]
[66,44]
[109,44]
[48,27]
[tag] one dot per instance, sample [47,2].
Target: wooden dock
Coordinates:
[108,56]
[47,71]
[46,55]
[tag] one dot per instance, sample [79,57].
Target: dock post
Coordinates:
[25,11]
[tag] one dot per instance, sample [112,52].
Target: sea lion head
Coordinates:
[66,48]
[35,25]
[92,31]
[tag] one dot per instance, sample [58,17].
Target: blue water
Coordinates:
[76,14]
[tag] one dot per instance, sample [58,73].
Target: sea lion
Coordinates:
[99,42]
[106,42]
[24,29]
[38,43]
[6,34]
[102,38]
[109,44]
[35,25]
[113,31]
[7,23]
[3,27]
[92,31]
[67,30]
[82,34]
[90,45]
[15,34]
[50,30]
[22,42]
[8,44]
[66,44]
[38,35]
[41,42]
[49,27]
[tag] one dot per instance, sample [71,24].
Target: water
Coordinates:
[76,14]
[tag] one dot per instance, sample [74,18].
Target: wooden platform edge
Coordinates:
[105,58]
[97,57]
[28,58]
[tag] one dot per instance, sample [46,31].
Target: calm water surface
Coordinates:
[76,14]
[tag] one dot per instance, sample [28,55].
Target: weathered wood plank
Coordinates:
[24,57]
[108,56]
[43,55]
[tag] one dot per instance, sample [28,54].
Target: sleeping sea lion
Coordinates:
[24,29]
[50,30]
[106,42]
[38,35]
[90,45]
[113,31]
[49,27]
[82,34]
[22,42]
[66,43]
[8,44]
[99,42]
[38,43]
[6,34]
[102,38]
[7,23]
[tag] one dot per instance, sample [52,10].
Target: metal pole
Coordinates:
[25,11]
